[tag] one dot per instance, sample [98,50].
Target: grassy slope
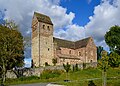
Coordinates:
[77,78]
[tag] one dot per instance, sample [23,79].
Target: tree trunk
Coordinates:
[104,76]
[4,73]
[67,76]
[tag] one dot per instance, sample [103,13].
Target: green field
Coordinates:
[78,78]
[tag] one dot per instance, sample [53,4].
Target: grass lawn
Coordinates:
[79,78]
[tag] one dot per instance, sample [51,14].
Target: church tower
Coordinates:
[42,40]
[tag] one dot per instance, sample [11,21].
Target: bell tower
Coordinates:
[42,40]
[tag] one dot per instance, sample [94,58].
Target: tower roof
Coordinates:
[43,18]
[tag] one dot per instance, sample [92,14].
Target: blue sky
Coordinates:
[82,9]
[73,19]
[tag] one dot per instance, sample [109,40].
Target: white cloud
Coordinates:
[22,11]
[73,32]
[105,15]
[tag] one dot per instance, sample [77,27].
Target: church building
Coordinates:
[45,47]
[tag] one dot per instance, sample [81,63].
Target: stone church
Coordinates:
[45,47]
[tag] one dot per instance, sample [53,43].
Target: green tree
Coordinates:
[103,65]
[99,50]
[114,59]
[67,68]
[112,38]
[54,61]
[76,67]
[11,49]
[84,65]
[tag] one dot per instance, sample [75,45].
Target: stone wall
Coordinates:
[46,43]
[42,43]
[35,41]
[38,71]
[91,52]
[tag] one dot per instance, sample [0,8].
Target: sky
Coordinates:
[73,19]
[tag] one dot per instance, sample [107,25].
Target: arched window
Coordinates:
[48,49]
[43,26]
[79,53]
[90,61]
[48,28]
[70,52]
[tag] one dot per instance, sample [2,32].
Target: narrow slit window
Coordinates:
[48,49]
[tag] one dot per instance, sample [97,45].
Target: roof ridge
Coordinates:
[63,39]
[41,14]
[73,41]
[43,18]
[71,44]
[83,39]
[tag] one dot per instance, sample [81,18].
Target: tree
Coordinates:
[76,67]
[54,61]
[84,65]
[114,59]
[11,49]
[67,68]
[99,50]
[103,65]
[112,38]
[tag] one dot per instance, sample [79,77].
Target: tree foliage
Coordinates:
[11,49]
[67,67]
[54,61]
[114,59]
[103,62]
[76,67]
[112,38]
[99,51]
[103,65]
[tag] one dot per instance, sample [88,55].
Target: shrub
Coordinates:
[91,83]
[46,74]
[28,78]
[84,65]
[54,61]
[90,67]
[67,67]
[76,67]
